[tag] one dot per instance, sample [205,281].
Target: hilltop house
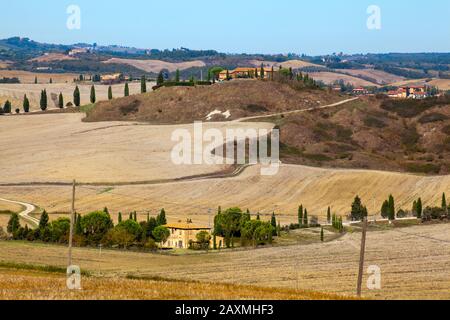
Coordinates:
[411,92]
[360,91]
[181,234]
[245,73]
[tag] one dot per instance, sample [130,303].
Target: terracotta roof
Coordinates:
[186,226]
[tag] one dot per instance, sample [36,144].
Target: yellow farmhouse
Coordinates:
[244,73]
[182,233]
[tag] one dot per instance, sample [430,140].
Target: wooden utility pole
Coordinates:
[72,218]
[361,258]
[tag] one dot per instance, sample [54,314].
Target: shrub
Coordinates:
[433,117]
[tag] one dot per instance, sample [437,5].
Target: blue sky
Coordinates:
[252,26]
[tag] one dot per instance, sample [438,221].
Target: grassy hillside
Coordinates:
[183,105]
[369,133]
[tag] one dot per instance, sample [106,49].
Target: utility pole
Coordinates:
[361,258]
[72,218]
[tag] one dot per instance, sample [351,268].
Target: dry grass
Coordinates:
[156,66]
[294,64]
[51,57]
[15,93]
[32,285]
[412,267]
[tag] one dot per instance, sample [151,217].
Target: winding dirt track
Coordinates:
[29,208]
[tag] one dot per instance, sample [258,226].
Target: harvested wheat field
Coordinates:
[378,76]
[414,263]
[315,188]
[100,152]
[331,77]
[15,93]
[156,66]
[32,285]
[27,77]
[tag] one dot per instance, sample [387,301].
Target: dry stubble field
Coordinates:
[412,267]
[15,93]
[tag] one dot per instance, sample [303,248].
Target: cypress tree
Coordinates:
[110,94]
[51,81]
[13,223]
[305,219]
[391,208]
[119,217]
[419,208]
[228,75]
[177,75]
[126,90]
[300,215]
[258,217]
[43,222]
[35,80]
[161,218]
[385,209]
[329,215]
[130,217]
[444,202]
[143,84]
[76,97]
[272,74]
[61,101]
[93,98]
[273,222]
[26,104]
[43,101]
[7,107]
[160,79]
[135,216]
[414,208]
[263,72]
[321,235]
[256,73]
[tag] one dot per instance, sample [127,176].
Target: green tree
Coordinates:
[43,222]
[385,209]
[419,208]
[161,218]
[43,101]
[161,234]
[95,225]
[76,97]
[126,90]
[177,76]
[305,219]
[7,107]
[26,104]
[60,230]
[300,215]
[444,203]
[329,215]
[391,212]
[93,97]
[61,101]
[160,79]
[358,210]
[228,224]
[13,223]
[143,84]
[273,223]
[110,94]
[132,227]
